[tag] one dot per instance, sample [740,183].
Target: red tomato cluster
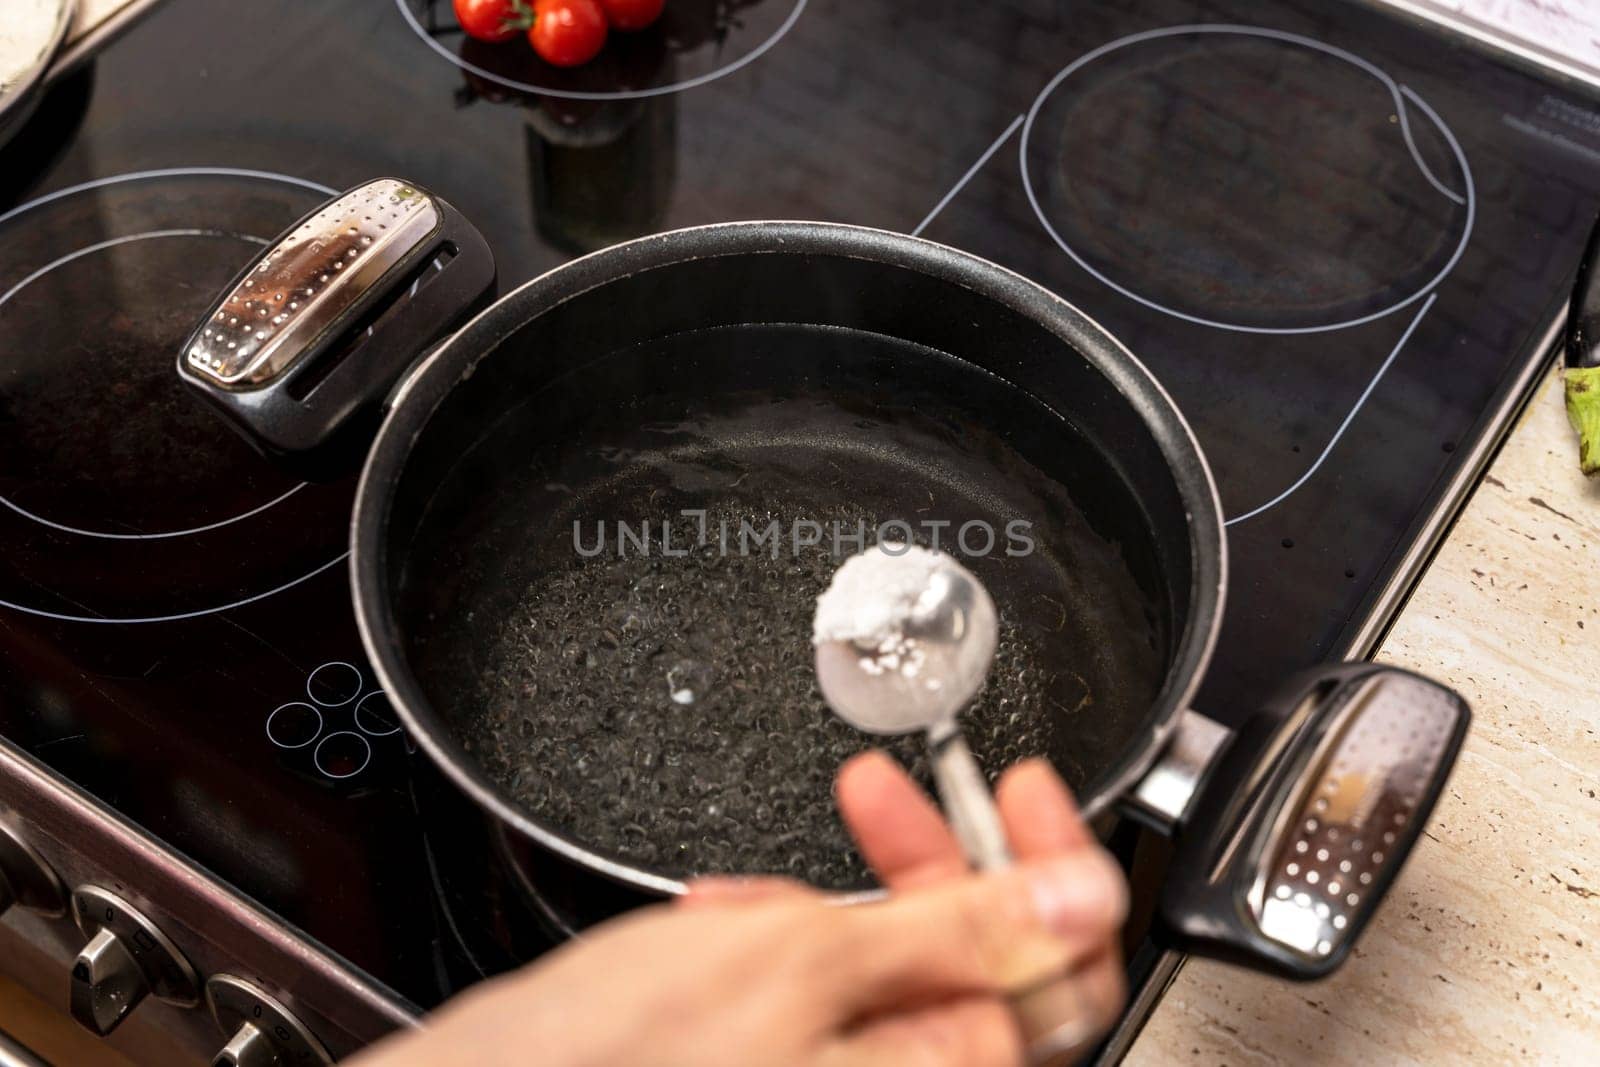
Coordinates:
[565,33]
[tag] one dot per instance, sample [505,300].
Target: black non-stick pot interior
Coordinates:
[659,709]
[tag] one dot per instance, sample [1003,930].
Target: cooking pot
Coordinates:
[786,351]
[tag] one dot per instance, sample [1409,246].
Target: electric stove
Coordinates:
[1341,243]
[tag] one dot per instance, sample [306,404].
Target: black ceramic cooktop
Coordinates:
[1336,240]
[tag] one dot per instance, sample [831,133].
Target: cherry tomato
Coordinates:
[632,14]
[492,20]
[568,33]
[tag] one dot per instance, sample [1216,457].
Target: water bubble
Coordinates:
[687,680]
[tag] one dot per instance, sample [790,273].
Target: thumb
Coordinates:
[1002,932]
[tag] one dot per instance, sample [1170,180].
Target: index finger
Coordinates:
[901,833]
[1040,815]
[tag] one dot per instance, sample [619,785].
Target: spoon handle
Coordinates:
[968,804]
[1055,1020]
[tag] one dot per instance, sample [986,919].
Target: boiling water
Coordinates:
[662,710]
[665,710]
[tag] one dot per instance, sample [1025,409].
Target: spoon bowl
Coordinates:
[933,662]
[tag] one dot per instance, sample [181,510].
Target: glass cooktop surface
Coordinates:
[1339,242]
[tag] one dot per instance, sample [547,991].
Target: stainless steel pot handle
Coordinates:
[1291,831]
[315,330]
[1164,794]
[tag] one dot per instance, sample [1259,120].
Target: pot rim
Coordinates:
[427,384]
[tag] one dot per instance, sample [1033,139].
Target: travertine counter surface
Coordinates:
[1488,947]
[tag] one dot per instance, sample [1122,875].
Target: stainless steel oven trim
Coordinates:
[88,841]
[14,1053]
[1483,36]
[78,52]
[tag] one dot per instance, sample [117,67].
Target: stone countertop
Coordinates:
[1488,946]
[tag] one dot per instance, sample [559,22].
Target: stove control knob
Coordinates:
[25,878]
[126,958]
[249,1047]
[263,1032]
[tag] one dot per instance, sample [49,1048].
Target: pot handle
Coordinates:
[1300,822]
[306,340]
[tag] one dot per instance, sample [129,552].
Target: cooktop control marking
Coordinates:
[376,720]
[341,750]
[297,718]
[343,754]
[329,684]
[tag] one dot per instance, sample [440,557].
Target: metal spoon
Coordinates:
[922,679]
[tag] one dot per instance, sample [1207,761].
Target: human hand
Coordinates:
[765,971]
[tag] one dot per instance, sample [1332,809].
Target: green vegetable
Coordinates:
[1583,411]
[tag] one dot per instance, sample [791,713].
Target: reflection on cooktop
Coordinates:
[694,42]
[1248,179]
[112,467]
[109,462]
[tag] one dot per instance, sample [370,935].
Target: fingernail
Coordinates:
[1077,893]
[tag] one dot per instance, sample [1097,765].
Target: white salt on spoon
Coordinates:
[903,640]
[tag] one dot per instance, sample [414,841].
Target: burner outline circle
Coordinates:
[80,531]
[128,239]
[296,704]
[1400,93]
[361,683]
[181,615]
[146,175]
[618,94]
[316,754]
[362,703]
